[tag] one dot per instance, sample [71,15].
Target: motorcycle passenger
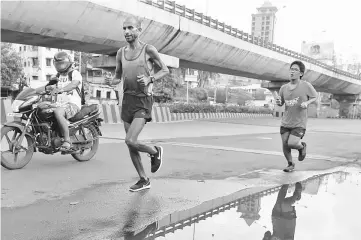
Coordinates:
[67,94]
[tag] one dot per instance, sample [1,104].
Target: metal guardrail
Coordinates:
[191,14]
[215,211]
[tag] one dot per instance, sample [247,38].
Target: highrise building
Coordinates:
[38,63]
[263,22]
[250,209]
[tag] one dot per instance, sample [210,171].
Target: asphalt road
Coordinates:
[55,197]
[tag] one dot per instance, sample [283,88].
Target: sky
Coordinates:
[334,214]
[297,21]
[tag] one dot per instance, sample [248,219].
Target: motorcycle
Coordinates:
[36,124]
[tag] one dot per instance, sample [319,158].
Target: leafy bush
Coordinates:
[207,108]
[201,94]
[220,95]
[162,97]
[195,94]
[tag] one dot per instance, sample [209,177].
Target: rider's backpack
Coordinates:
[79,91]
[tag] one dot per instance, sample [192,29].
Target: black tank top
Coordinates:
[133,68]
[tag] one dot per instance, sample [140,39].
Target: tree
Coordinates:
[325,97]
[335,104]
[166,84]
[239,96]
[86,58]
[164,89]
[204,77]
[259,94]
[200,93]
[235,83]
[11,65]
[220,94]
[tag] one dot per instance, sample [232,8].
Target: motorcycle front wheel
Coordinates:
[11,158]
[84,155]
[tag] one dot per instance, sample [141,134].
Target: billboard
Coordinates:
[318,50]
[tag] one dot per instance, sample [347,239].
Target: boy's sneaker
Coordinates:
[289,168]
[302,152]
[156,160]
[142,184]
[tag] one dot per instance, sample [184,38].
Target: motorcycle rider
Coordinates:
[67,92]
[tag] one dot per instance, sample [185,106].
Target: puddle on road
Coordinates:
[322,207]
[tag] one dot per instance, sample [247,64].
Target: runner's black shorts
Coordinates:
[298,131]
[136,107]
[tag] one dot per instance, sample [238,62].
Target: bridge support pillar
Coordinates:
[348,105]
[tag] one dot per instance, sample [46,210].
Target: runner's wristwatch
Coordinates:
[151,79]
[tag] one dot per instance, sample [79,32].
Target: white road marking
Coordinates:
[256,151]
[233,149]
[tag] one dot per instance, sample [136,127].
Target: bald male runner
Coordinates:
[135,65]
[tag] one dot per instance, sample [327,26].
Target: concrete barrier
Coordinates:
[160,114]
[188,116]
[111,114]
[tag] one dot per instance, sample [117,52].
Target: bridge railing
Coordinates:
[215,210]
[191,14]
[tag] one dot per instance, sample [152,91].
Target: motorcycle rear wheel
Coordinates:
[16,164]
[81,157]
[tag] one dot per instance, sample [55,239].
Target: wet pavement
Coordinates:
[55,177]
[177,209]
[321,207]
[207,164]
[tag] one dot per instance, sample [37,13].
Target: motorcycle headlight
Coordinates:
[16,104]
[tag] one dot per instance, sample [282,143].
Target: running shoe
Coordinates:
[142,184]
[156,159]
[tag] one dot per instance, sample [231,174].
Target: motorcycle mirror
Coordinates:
[52,81]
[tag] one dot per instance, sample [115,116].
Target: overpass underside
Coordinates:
[55,42]
[95,26]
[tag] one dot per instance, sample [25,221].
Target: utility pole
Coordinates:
[215,94]
[187,92]
[226,92]
[80,62]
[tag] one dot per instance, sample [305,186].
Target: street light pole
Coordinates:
[80,62]
[354,107]
[226,92]
[318,109]
[187,92]
[215,94]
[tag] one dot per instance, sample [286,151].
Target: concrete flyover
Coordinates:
[198,41]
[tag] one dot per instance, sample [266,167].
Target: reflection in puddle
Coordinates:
[321,207]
